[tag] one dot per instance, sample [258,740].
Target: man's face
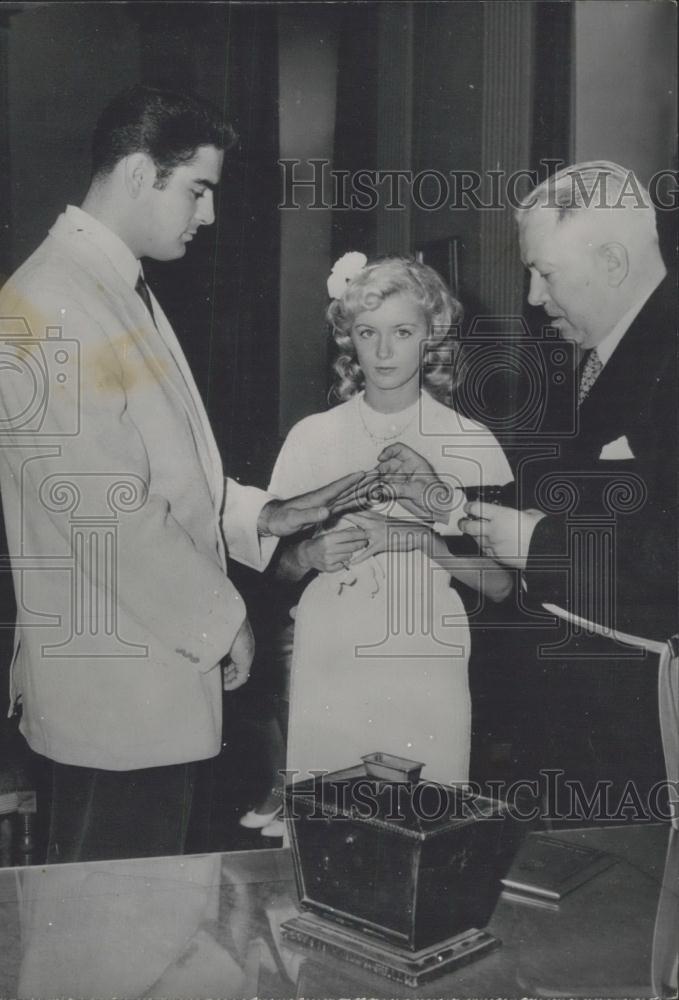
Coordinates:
[174,213]
[568,277]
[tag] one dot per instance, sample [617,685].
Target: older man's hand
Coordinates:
[409,478]
[503,533]
[287,517]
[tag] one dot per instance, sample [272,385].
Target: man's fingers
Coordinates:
[306,516]
[325,495]
[298,518]
[358,494]
[360,501]
[476,528]
[234,678]
[471,526]
[333,492]
[283,517]
[481,511]
[364,499]
[303,517]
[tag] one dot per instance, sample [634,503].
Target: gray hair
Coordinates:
[596,184]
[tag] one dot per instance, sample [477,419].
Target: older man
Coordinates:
[602,548]
[115,499]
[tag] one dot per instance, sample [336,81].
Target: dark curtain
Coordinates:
[7,605]
[222,297]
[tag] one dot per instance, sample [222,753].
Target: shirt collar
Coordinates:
[107,241]
[611,340]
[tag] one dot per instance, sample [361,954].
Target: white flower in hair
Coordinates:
[344,269]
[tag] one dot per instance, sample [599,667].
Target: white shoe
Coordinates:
[274,829]
[255,821]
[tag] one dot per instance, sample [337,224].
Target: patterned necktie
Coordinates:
[142,290]
[591,370]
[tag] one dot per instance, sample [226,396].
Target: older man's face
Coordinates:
[568,277]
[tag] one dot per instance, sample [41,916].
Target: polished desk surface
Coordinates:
[208,926]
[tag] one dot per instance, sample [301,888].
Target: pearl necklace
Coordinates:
[394,431]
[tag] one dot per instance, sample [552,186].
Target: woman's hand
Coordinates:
[387,534]
[330,551]
[414,482]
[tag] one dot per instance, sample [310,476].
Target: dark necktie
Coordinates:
[142,290]
[591,370]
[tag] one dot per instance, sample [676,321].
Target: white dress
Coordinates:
[381,650]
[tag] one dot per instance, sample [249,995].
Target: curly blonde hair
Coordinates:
[378,280]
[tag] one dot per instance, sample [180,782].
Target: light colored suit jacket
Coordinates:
[113,492]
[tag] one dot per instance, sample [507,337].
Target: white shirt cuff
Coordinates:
[242,508]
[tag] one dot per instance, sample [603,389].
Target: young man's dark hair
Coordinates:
[166,125]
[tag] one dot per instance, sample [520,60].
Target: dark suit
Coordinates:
[607,551]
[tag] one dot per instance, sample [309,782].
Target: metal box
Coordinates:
[406,866]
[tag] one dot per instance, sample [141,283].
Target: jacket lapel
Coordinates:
[619,394]
[200,423]
[158,346]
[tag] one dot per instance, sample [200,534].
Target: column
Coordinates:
[505,144]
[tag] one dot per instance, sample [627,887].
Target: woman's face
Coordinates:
[388,342]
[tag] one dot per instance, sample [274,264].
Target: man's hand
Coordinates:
[502,532]
[330,551]
[414,483]
[241,655]
[286,517]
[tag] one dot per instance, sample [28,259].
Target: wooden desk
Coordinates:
[208,926]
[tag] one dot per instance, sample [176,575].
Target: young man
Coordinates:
[115,500]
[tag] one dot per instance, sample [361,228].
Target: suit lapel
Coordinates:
[158,346]
[621,390]
[200,420]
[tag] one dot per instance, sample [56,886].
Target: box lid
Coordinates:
[419,809]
